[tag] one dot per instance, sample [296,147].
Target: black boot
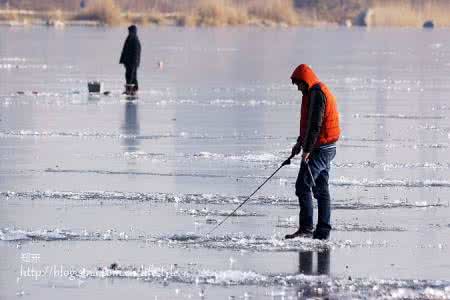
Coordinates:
[299,233]
[321,234]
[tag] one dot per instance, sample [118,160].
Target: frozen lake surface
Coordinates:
[104,198]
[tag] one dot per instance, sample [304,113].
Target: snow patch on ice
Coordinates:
[292,222]
[204,212]
[351,204]
[382,182]
[12,234]
[315,286]
[387,166]
[26,132]
[141,155]
[13,59]
[398,116]
[248,157]
[244,242]
[229,241]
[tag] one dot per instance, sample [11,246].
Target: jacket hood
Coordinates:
[132,29]
[305,73]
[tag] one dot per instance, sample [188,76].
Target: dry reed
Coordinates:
[407,13]
[218,13]
[103,11]
[278,11]
[9,16]
[235,12]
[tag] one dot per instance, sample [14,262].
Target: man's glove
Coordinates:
[296,149]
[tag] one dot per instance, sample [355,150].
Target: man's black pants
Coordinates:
[131,76]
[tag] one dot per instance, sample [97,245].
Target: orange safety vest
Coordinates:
[330,131]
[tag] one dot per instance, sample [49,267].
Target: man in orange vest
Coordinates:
[319,132]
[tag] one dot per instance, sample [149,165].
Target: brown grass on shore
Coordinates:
[150,17]
[405,13]
[228,12]
[278,11]
[216,13]
[9,16]
[332,11]
[56,15]
[393,13]
[137,19]
[103,11]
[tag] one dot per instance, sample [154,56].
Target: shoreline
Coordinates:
[59,19]
[262,24]
[17,18]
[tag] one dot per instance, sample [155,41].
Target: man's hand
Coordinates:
[305,156]
[296,149]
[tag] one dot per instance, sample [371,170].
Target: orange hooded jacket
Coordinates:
[330,131]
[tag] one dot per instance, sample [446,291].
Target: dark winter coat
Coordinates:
[131,52]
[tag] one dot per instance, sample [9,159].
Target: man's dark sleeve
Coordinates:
[125,50]
[317,104]
[138,53]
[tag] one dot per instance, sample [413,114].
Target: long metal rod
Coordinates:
[286,162]
[310,174]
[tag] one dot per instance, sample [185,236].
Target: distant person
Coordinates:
[319,131]
[131,58]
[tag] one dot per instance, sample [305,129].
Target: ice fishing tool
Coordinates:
[285,163]
[309,173]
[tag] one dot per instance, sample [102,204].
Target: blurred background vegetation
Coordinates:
[412,13]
